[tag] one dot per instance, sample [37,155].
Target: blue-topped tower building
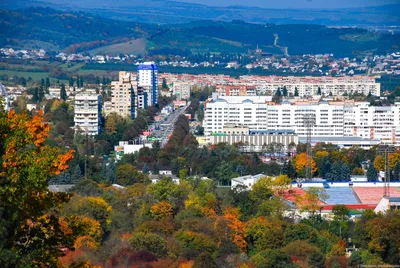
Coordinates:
[147,85]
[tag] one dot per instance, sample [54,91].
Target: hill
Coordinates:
[74,31]
[79,32]
[166,12]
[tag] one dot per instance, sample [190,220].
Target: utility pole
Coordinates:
[308,123]
[386,149]
[86,154]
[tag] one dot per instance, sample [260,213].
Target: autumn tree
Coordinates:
[312,200]
[31,232]
[237,234]
[300,161]
[281,184]
[162,210]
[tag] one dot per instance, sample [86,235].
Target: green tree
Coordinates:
[284,91]
[149,242]
[204,260]
[77,174]
[319,91]
[63,93]
[300,231]
[316,260]
[47,85]
[372,173]
[164,84]
[289,170]
[340,212]
[296,92]
[126,174]
[355,260]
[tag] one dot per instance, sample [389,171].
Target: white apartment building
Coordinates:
[339,119]
[122,99]
[147,84]
[88,113]
[308,86]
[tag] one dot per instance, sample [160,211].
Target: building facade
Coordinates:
[123,95]
[338,119]
[88,113]
[147,84]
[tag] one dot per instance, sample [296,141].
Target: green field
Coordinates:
[136,46]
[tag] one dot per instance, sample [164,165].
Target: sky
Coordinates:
[328,4]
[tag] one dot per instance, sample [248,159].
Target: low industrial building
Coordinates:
[253,140]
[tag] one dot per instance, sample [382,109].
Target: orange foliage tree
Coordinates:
[162,210]
[237,234]
[31,231]
[299,163]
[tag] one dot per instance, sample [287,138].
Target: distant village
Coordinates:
[323,64]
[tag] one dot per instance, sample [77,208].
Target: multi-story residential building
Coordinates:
[181,90]
[88,113]
[338,119]
[249,85]
[309,86]
[123,95]
[147,84]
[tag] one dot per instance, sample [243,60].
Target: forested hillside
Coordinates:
[79,32]
[63,29]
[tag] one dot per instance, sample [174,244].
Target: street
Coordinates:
[164,128]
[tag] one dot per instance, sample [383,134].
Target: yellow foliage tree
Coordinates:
[281,183]
[299,163]
[379,162]
[91,233]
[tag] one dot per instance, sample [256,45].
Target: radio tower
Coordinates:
[309,122]
[386,149]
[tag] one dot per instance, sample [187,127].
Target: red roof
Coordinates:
[372,195]
[351,206]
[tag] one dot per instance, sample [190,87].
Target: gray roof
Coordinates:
[242,179]
[60,188]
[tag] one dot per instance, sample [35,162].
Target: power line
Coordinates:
[308,123]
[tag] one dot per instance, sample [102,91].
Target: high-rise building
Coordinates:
[4,97]
[88,113]
[123,95]
[338,119]
[147,92]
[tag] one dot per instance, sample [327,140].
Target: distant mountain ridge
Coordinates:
[167,12]
[79,32]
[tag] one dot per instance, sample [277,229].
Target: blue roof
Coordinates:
[341,195]
[143,66]
[247,100]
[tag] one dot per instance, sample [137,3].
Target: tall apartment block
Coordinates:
[123,95]
[147,82]
[337,119]
[88,113]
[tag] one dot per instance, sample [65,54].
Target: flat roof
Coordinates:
[339,139]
